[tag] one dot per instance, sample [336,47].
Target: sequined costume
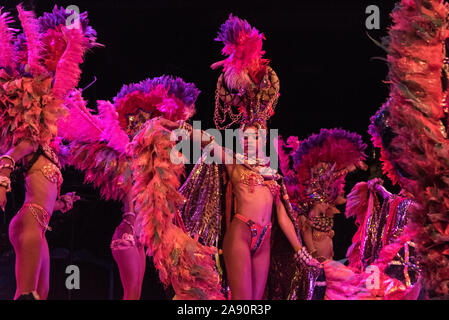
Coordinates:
[379,244]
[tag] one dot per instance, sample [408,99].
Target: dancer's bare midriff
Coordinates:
[256,205]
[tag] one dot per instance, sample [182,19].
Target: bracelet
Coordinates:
[132,214]
[129,213]
[6,183]
[5,156]
[66,207]
[303,256]
[185,126]
[7,166]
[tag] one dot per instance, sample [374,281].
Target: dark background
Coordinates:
[319,49]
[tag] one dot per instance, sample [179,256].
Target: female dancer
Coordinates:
[31,105]
[253,189]
[125,152]
[315,185]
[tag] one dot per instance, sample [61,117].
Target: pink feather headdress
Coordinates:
[243,46]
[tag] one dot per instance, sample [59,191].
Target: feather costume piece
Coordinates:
[97,146]
[30,104]
[182,261]
[30,27]
[7,53]
[410,133]
[243,46]
[67,71]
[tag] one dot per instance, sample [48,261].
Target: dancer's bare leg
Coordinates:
[27,237]
[129,262]
[237,258]
[43,283]
[260,268]
[142,263]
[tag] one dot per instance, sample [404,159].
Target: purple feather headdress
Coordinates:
[184,91]
[164,96]
[320,164]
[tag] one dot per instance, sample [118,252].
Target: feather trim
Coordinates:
[112,132]
[181,261]
[104,167]
[410,133]
[80,124]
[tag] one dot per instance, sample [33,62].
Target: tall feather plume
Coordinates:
[6,40]
[243,46]
[30,27]
[68,71]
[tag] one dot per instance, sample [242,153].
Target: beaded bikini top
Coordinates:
[250,177]
[52,170]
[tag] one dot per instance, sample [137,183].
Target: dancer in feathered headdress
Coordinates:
[230,202]
[411,129]
[37,69]
[315,171]
[125,150]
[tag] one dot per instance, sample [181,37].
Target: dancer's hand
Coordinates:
[304,257]
[315,263]
[68,199]
[168,124]
[3,198]
[373,182]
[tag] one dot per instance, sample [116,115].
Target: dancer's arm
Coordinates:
[7,164]
[287,227]
[289,230]
[306,233]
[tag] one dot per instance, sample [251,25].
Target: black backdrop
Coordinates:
[319,49]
